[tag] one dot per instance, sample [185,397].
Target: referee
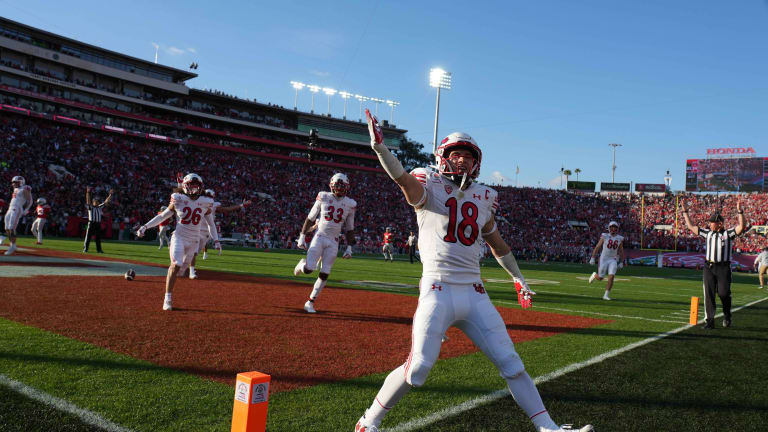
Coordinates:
[717,271]
[94,219]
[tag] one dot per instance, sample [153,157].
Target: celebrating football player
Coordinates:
[335,212]
[387,241]
[21,202]
[611,257]
[204,236]
[190,208]
[453,213]
[42,211]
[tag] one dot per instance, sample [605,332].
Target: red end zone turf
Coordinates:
[234,323]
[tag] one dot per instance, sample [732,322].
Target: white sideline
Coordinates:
[499,394]
[86,416]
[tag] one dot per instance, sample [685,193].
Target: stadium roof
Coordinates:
[179,75]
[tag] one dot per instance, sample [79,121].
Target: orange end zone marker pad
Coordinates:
[251,400]
[694,311]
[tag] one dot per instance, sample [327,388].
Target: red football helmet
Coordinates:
[339,184]
[456,141]
[192,184]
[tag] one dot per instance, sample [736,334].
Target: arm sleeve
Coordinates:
[212,226]
[315,212]
[509,263]
[731,233]
[155,221]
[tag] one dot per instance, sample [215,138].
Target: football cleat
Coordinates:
[605,297]
[167,305]
[192,274]
[592,278]
[205,255]
[299,269]
[309,307]
[11,249]
[362,426]
[568,428]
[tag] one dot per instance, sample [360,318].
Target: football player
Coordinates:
[335,213]
[190,207]
[611,257]
[387,248]
[453,213]
[42,211]
[21,202]
[204,236]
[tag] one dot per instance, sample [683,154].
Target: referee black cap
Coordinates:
[716,217]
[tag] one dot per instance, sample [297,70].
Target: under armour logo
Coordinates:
[479,288]
[437,287]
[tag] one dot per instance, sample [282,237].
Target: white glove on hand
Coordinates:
[301,243]
[217,245]
[140,232]
[621,265]
[592,261]
[348,252]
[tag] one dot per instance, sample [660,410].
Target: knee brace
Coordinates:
[323,276]
[511,366]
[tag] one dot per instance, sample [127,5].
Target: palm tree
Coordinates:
[577,171]
[567,173]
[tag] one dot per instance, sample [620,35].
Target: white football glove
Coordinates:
[348,252]
[140,232]
[301,242]
[621,265]
[592,261]
[217,245]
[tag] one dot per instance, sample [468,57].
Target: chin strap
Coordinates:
[464,183]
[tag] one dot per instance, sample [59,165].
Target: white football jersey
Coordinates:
[333,214]
[19,198]
[204,224]
[611,245]
[189,215]
[450,224]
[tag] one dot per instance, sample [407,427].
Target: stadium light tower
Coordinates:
[330,92]
[668,181]
[298,86]
[314,89]
[613,167]
[377,102]
[362,99]
[345,95]
[392,104]
[439,79]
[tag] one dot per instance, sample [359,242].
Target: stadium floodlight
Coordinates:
[392,104]
[439,79]
[314,89]
[668,181]
[330,92]
[613,167]
[345,95]
[362,99]
[377,101]
[298,86]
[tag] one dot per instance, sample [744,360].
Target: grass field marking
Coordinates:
[476,402]
[599,313]
[86,416]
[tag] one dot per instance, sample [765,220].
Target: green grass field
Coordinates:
[688,380]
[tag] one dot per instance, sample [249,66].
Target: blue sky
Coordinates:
[539,84]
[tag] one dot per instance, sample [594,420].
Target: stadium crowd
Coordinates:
[58,161]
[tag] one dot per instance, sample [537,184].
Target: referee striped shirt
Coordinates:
[94,213]
[718,244]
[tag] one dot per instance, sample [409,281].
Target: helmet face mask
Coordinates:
[613,228]
[339,185]
[192,185]
[18,181]
[41,201]
[451,167]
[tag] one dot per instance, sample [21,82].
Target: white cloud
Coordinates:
[172,50]
[192,50]
[498,178]
[320,74]
[155,45]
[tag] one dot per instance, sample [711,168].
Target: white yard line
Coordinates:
[84,415]
[599,313]
[476,402]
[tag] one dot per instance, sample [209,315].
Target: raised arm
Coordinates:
[413,190]
[742,223]
[694,229]
[234,207]
[109,198]
[87,195]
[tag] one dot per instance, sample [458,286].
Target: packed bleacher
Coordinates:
[58,161]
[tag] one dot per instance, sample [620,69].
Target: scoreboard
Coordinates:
[726,175]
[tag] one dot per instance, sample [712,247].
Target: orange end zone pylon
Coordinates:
[251,399]
[694,311]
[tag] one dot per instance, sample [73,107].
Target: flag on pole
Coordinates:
[517,171]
